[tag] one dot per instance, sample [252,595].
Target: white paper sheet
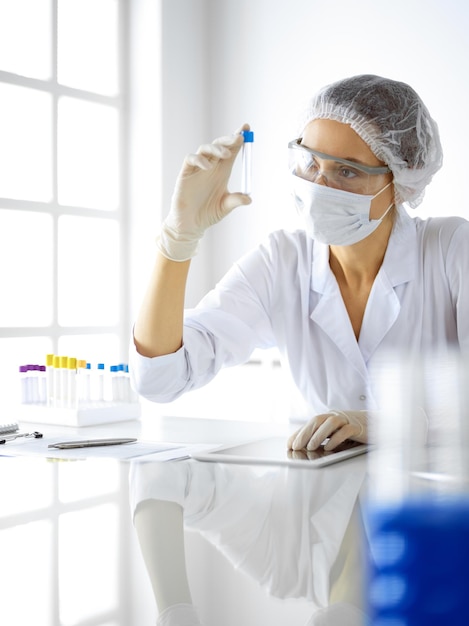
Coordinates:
[39,447]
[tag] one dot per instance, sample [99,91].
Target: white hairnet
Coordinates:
[392,119]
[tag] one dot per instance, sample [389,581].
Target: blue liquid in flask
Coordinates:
[418,571]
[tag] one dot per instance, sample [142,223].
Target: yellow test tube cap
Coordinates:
[49,360]
[56,361]
[71,363]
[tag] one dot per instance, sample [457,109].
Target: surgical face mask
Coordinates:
[333,216]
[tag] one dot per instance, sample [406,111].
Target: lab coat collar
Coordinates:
[383,305]
[400,261]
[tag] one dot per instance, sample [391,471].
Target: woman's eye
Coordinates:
[348,172]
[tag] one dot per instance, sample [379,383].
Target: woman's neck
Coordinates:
[359,264]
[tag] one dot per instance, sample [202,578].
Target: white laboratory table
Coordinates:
[283,541]
[168,429]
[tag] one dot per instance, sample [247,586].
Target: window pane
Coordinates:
[16,351]
[88,569]
[26,143]
[88,45]
[87,154]
[25,37]
[93,348]
[88,271]
[26,286]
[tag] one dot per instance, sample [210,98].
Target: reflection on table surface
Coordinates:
[295,532]
[69,546]
[61,528]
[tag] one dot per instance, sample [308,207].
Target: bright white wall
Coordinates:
[229,61]
[170,109]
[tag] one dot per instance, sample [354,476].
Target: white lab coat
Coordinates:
[284,294]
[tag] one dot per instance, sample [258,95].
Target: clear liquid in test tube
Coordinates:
[246,177]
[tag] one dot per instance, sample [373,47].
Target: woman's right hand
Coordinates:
[201,197]
[336,426]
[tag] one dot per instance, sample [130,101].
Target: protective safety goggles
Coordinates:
[338,173]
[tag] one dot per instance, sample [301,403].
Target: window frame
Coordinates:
[55,210]
[115,494]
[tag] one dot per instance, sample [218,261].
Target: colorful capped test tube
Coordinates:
[100,381]
[83,382]
[71,394]
[246,176]
[49,378]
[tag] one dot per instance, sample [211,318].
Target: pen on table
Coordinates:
[90,443]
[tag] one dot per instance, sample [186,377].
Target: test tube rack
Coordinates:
[70,392]
[86,415]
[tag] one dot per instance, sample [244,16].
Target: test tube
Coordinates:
[71,382]
[246,177]
[130,396]
[24,382]
[42,384]
[57,382]
[33,383]
[114,371]
[122,383]
[49,379]
[83,382]
[100,381]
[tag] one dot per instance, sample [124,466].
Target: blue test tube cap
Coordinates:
[248,136]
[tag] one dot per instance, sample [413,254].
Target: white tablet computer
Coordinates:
[273,451]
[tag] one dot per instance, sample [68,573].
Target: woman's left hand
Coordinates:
[335,425]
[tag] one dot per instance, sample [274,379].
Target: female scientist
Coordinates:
[360,281]
[363,279]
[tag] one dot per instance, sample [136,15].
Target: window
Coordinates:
[63,182]
[63,259]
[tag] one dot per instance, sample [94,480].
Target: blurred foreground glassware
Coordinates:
[417,512]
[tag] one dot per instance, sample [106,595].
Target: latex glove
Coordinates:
[338,425]
[201,197]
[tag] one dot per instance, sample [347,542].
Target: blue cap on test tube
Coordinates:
[248,136]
